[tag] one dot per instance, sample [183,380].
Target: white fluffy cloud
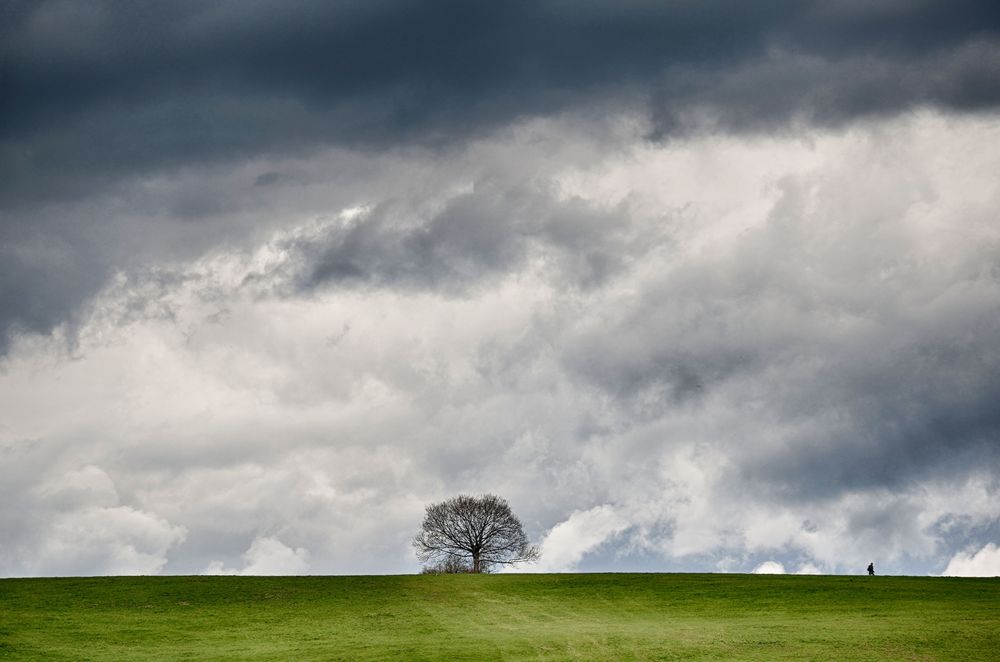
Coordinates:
[984,563]
[266,556]
[115,541]
[567,542]
[77,525]
[808,569]
[769,568]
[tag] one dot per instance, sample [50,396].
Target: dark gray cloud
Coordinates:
[42,283]
[829,412]
[911,414]
[111,88]
[491,231]
[804,88]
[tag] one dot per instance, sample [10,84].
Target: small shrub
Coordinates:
[449,566]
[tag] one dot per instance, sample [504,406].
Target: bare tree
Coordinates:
[482,530]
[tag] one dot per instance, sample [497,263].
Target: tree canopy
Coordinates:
[474,532]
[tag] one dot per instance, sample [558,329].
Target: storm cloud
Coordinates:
[105,91]
[695,285]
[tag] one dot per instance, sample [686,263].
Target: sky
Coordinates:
[697,286]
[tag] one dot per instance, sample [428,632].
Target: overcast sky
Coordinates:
[695,285]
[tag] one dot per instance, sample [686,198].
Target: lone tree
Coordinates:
[481,530]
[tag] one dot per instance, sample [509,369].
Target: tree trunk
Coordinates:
[475,563]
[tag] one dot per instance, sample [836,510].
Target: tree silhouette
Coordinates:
[481,530]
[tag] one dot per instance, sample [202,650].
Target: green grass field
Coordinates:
[531,617]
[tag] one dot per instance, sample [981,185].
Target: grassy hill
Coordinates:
[538,617]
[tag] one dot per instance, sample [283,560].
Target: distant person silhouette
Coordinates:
[871,569]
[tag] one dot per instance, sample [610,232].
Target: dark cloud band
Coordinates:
[111,88]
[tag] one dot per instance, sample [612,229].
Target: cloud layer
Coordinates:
[698,286]
[103,103]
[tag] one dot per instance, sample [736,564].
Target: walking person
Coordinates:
[871,569]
